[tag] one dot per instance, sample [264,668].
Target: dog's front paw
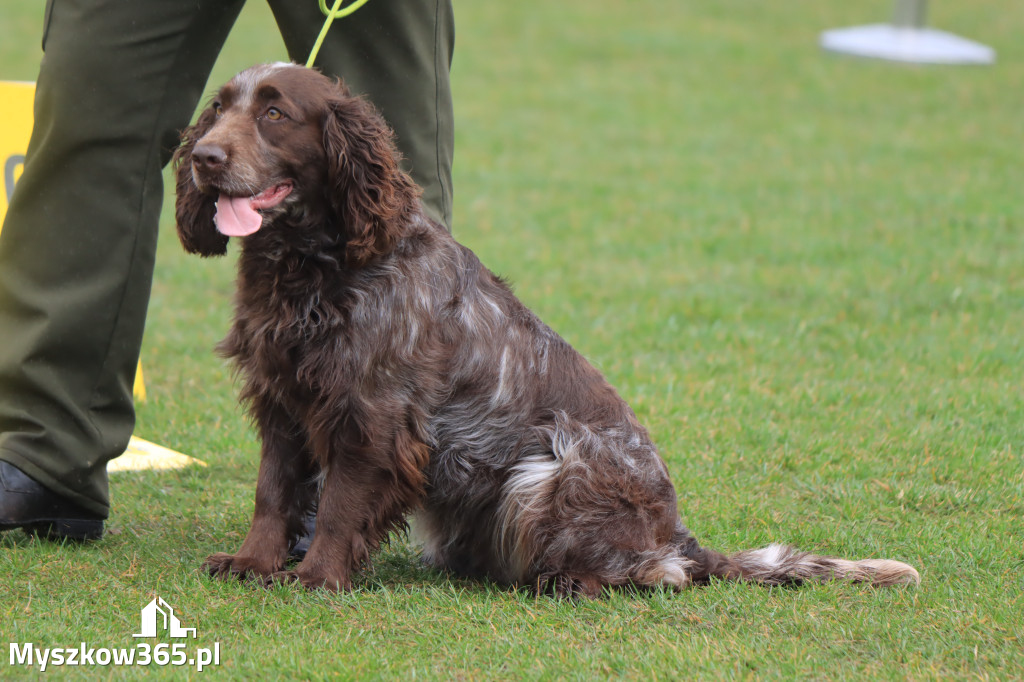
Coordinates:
[311,580]
[232,566]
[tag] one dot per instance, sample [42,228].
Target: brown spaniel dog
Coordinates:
[391,375]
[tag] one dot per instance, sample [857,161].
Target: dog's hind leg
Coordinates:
[589,508]
[660,567]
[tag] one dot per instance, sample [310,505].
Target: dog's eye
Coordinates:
[274,114]
[217,109]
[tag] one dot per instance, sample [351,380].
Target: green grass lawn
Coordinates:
[804,272]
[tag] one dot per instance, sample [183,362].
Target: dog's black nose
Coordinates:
[209,156]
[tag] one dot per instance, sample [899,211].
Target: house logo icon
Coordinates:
[160,611]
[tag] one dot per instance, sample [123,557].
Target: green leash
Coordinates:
[331,14]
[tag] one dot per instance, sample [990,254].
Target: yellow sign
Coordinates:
[16,99]
[142,455]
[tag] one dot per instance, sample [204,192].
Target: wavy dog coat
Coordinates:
[391,374]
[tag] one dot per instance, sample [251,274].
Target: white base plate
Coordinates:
[915,45]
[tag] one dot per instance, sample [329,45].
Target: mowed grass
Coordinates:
[804,272]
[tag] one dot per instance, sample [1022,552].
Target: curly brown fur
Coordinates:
[391,374]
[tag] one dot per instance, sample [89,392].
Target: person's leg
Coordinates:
[397,54]
[119,79]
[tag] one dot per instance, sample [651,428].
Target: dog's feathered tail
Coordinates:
[782,565]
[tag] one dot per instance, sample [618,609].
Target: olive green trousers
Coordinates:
[118,81]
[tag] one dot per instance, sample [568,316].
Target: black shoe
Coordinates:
[25,503]
[301,546]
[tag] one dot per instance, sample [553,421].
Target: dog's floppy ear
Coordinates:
[370,194]
[194,210]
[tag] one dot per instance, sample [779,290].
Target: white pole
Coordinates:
[910,14]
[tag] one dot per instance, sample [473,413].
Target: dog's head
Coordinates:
[280,146]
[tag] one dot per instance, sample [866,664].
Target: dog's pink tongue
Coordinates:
[236,216]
